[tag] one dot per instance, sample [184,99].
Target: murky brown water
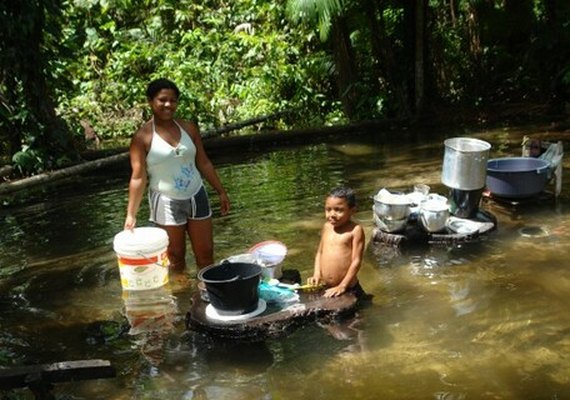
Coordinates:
[484,320]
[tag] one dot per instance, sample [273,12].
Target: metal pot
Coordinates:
[391,206]
[433,215]
[517,177]
[465,163]
[395,225]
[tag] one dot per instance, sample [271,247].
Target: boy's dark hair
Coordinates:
[158,84]
[346,193]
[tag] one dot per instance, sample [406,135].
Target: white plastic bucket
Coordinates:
[142,257]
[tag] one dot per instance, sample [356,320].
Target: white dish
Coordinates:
[213,314]
[462,226]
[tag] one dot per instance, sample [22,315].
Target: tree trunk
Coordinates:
[551,15]
[453,12]
[23,74]
[397,73]
[346,71]
[520,19]
[420,12]
[473,32]
[371,11]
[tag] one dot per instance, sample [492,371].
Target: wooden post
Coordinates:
[40,378]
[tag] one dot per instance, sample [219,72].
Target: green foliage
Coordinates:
[234,62]
[28,74]
[320,12]
[28,160]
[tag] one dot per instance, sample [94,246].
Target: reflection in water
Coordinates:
[151,316]
[483,320]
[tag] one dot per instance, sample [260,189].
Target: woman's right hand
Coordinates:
[130,223]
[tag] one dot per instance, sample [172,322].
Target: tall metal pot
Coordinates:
[465,163]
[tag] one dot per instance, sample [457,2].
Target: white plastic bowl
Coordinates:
[270,252]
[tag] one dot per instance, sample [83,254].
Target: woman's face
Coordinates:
[163,104]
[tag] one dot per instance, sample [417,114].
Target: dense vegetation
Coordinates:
[68,63]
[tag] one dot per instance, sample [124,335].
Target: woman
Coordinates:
[169,153]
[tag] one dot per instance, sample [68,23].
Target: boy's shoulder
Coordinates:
[358,228]
[354,225]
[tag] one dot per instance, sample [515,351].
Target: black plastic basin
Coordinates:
[232,287]
[517,177]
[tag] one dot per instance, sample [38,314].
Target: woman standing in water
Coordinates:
[169,154]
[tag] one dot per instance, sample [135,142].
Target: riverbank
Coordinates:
[217,146]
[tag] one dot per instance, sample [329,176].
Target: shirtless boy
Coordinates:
[340,250]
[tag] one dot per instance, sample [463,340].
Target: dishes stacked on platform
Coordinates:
[393,211]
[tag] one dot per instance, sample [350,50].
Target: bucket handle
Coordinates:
[148,259]
[226,263]
[235,278]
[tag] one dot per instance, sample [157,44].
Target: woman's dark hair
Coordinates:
[158,84]
[343,192]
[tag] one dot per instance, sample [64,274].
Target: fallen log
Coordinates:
[43,375]
[6,188]
[243,124]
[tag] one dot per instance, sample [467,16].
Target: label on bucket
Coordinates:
[145,272]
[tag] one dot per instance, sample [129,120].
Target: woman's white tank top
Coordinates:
[172,169]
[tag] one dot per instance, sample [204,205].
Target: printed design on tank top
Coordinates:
[185,177]
[187,172]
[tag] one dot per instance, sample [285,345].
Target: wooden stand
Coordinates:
[548,151]
[40,378]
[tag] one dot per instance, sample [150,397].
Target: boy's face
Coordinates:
[337,211]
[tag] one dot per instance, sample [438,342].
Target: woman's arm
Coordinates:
[137,183]
[206,167]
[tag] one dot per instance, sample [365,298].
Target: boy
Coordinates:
[340,250]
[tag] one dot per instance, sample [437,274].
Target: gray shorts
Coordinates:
[166,211]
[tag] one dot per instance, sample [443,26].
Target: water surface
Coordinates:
[484,320]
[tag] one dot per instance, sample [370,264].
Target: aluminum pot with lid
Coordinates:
[465,163]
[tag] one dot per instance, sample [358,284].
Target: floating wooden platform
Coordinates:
[274,321]
[413,234]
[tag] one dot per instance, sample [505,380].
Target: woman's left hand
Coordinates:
[224,203]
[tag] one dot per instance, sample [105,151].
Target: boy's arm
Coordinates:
[314,280]
[357,251]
